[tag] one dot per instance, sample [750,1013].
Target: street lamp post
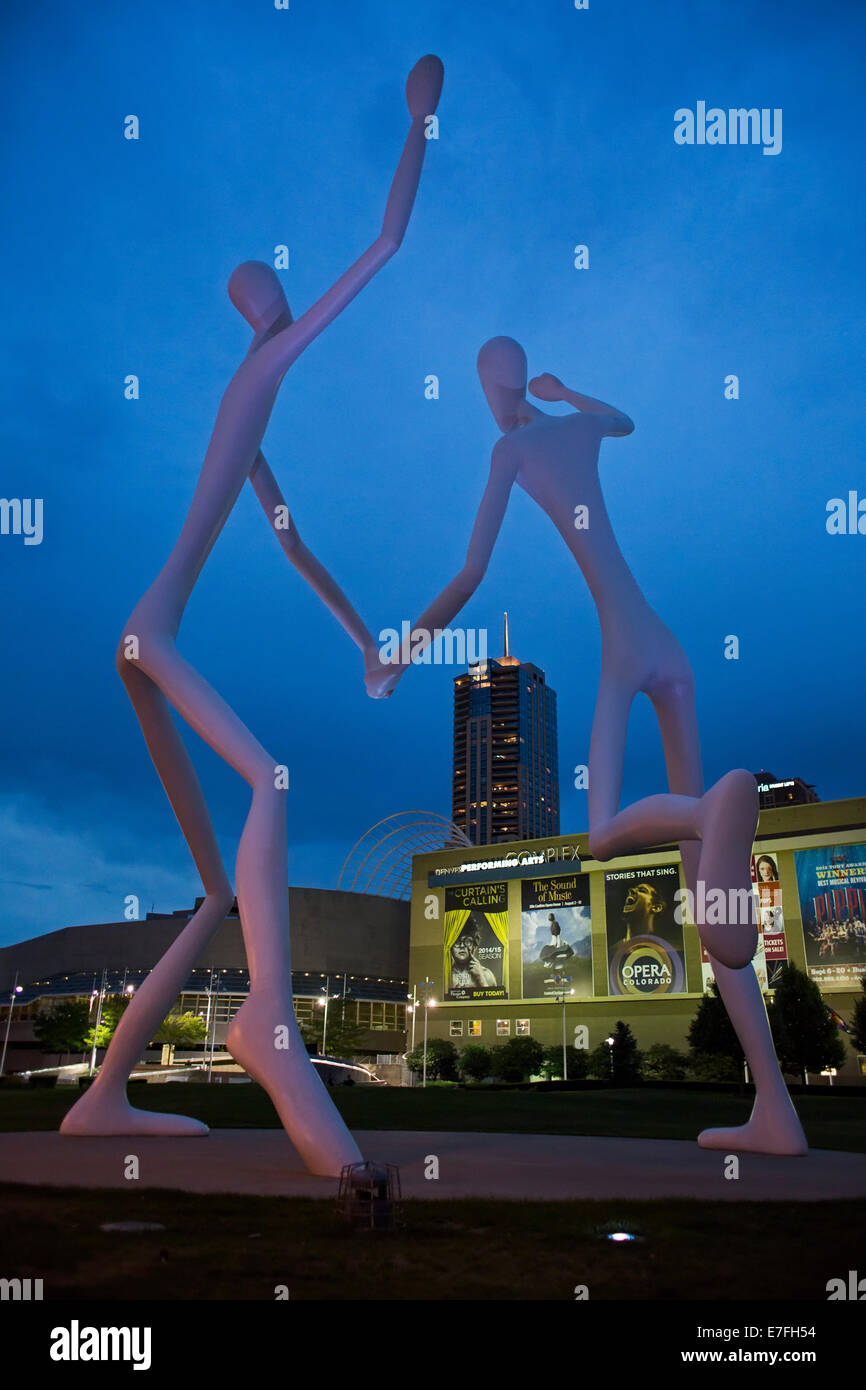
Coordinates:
[324,1002]
[16,989]
[102,988]
[426,985]
[562,981]
[610,1042]
[212,1023]
[413,1009]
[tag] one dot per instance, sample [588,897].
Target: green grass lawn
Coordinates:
[831,1122]
[228,1248]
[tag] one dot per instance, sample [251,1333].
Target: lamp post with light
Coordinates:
[562,995]
[412,1008]
[16,989]
[429,1004]
[610,1042]
[101,1000]
[323,1003]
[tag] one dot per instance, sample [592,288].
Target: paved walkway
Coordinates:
[525,1167]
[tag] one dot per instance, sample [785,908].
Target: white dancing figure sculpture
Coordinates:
[263,1037]
[555,460]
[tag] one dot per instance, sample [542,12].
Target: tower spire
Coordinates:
[507,659]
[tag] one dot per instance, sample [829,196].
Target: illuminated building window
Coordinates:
[503,1027]
[455,1028]
[522,1028]
[475,1028]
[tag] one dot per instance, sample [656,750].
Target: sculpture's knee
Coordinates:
[137,651]
[600,846]
[221,899]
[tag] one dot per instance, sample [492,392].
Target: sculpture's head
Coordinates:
[256,292]
[502,369]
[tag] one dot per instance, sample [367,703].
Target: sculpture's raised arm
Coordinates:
[548,387]
[423,88]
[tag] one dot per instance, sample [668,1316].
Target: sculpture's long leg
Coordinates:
[266,1034]
[774,1126]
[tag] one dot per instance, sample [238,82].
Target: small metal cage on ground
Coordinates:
[368,1195]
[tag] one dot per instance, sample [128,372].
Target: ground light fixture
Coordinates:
[368,1195]
[618,1233]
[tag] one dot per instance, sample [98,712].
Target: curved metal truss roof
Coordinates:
[381,861]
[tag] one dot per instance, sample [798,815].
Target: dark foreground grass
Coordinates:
[831,1122]
[228,1247]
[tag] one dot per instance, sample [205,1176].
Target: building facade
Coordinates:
[511,937]
[775,792]
[351,946]
[505,782]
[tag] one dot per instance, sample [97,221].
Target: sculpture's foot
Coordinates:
[773,1128]
[257,1039]
[103,1113]
[727,818]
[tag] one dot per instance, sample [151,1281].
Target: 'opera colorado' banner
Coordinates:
[831,882]
[556,933]
[644,938]
[476,941]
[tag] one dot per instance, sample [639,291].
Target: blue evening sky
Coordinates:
[261,127]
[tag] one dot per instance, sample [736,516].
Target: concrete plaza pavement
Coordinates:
[522,1167]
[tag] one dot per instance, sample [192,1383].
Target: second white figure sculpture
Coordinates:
[555,460]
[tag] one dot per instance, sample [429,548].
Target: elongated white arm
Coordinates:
[320,581]
[422,92]
[548,387]
[447,604]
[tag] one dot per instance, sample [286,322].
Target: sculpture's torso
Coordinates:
[557,465]
[242,419]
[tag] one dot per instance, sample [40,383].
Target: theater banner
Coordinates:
[556,936]
[476,942]
[644,939]
[831,882]
[772,949]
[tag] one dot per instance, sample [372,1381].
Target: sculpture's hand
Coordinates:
[380,680]
[424,86]
[547,387]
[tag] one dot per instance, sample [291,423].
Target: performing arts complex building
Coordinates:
[503,933]
[508,932]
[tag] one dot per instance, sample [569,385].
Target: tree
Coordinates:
[113,1009]
[857,1036]
[63,1028]
[806,1035]
[703,1066]
[663,1063]
[716,1053]
[441,1059]
[475,1062]
[345,1035]
[577,1060]
[178,1029]
[518,1059]
[618,1062]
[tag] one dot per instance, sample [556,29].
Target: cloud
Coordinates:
[61,875]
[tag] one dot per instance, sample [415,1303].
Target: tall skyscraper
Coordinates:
[506,783]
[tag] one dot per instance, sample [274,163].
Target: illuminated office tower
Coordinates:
[505,784]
